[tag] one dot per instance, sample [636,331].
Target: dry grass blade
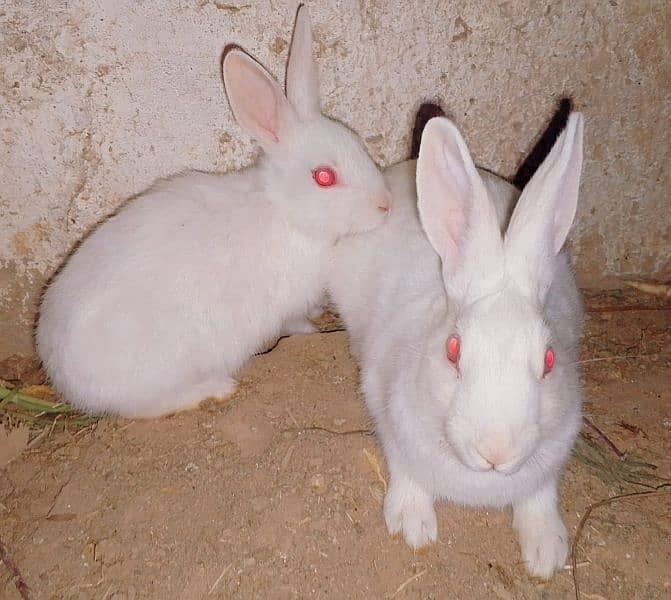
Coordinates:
[362,431]
[621,357]
[661,290]
[621,455]
[29,402]
[40,412]
[626,308]
[375,464]
[612,469]
[17,578]
[407,582]
[221,576]
[659,491]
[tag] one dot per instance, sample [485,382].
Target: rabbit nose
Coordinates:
[384,202]
[495,449]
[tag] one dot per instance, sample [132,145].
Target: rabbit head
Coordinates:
[504,368]
[315,169]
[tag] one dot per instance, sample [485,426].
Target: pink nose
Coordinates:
[384,202]
[496,450]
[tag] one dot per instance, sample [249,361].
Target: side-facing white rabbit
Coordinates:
[163,302]
[471,377]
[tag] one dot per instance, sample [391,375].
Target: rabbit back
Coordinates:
[181,284]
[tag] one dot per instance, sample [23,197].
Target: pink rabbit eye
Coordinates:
[324,176]
[549,361]
[453,349]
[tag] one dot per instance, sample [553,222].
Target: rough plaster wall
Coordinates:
[100,98]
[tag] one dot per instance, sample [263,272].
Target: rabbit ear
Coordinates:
[455,211]
[258,104]
[546,209]
[302,75]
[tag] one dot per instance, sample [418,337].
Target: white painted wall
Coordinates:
[99,98]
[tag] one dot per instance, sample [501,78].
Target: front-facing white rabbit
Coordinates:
[471,377]
[163,302]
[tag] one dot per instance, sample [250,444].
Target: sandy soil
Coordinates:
[247,499]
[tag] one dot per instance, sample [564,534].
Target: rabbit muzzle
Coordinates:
[500,448]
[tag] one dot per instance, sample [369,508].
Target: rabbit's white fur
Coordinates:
[508,297]
[163,302]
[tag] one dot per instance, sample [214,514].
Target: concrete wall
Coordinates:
[99,98]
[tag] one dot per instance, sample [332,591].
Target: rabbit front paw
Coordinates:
[409,509]
[544,546]
[543,536]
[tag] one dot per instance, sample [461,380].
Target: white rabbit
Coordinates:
[163,302]
[471,377]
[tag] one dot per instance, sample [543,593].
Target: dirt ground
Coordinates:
[249,498]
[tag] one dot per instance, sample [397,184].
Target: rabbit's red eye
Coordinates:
[324,176]
[453,349]
[549,361]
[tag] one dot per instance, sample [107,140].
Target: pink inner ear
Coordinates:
[445,193]
[254,97]
[263,108]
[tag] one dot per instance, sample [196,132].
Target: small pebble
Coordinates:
[318,482]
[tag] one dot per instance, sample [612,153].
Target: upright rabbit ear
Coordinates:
[302,75]
[258,104]
[546,209]
[455,211]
